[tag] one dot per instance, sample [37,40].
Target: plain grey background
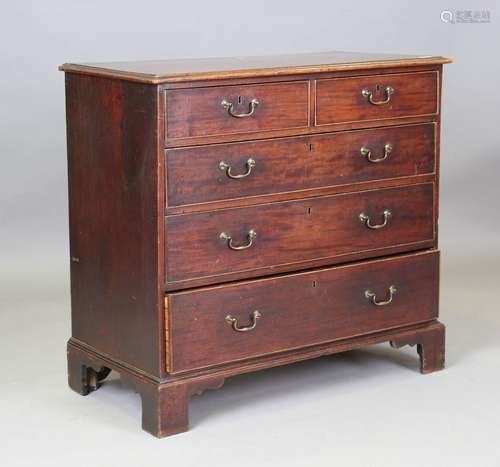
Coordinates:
[368,407]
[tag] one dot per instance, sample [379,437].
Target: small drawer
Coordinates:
[345,100]
[224,110]
[237,170]
[268,236]
[217,325]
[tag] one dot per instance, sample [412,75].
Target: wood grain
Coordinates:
[165,401]
[300,310]
[297,164]
[340,100]
[295,232]
[198,112]
[189,70]
[114,200]
[152,281]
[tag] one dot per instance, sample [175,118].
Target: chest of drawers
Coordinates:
[232,215]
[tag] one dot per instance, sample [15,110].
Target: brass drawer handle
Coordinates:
[252,234]
[251,108]
[369,94]
[373,297]
[367,152]
[234,322]
[365,218]
[225,167]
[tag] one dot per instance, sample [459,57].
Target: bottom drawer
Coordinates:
[225,323]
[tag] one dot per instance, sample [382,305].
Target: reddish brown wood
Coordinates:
[295,232]
[198,112]
[300,310]
[114,204]
[297,164]
[340,100]
[165,406]
[306,130]
[165,402]
[83,376]
[310,130]
[430,347]
[193,70]
[301,194]
[389,69]
[140,301]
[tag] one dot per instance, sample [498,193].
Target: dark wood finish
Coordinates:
[198,112]
[165,402]
[300,194]
[333,126]
[82,377]
[162,71]
[299,310]
[430,347]
[308,130]
[295,232]
[340,100]
[294,164]
[114,204]
[306,265]
[311,129]
[165,406]
[144,303]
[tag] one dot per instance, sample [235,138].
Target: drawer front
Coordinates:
[300,310]
[224,110]
[265,236]
[343,100]
[236,170]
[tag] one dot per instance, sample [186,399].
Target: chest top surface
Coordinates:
[166,71]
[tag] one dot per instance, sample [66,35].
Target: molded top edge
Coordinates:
[169,71]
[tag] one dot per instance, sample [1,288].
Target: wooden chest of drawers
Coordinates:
[238,214]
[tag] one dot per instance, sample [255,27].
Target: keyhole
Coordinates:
[377,88]
[240,99]
[310,147]
[309,211]
[314,284]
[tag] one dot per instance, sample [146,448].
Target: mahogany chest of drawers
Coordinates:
[237,214]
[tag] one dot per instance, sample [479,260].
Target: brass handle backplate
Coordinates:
[365,218]
[369,95]
[251,108]
[252,234]
[373,297]
[226,167]
[234,322]
[367,152]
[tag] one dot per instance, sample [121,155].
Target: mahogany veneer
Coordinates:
[231,215]
[287,165]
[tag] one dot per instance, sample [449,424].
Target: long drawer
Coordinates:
[228,171]
[213,244]
[215,325]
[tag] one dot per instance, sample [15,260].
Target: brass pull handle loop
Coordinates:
[367,152]
[226,167]
[234,322]
[252,234]
[365,218]
[389,91]
[373,297]
[251,108]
